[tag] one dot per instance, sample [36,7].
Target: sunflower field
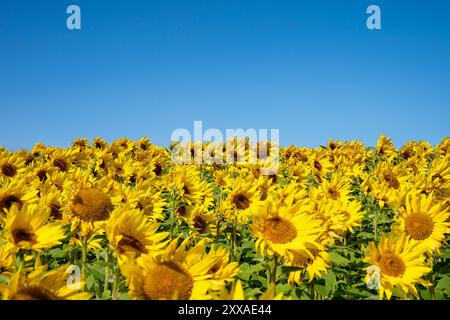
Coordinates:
[122,220]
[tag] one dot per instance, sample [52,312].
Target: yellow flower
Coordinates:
[132,234]
[315,262]
[401,264]
[190,187]
[424,221]
[338,188]
[283,229]
[200,219]
[27,227]
[43,285]
[18,193]
[176,273]
[244,198]
[10,165]
[143,196]
[342,216]
[385,147]
[7,257]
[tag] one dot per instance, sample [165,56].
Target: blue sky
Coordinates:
[144,68]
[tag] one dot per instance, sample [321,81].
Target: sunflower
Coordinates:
[91,205]
[132,234]
[199,218]
[27,227]
[244,198]
[18,193]
[437,179]
[99,143]
[401,264]
[314,261]
[342,216]
[190,187]
[424,221]
[176,273]
[10,165]
[385,147]
[62,159]
[280,229]
[143,196]
[7,257]
[223,269]
[338,188]
[43,285]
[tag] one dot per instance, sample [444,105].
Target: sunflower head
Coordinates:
[424,220]
[28,227]
[280,228]
[401,263]
[91,205]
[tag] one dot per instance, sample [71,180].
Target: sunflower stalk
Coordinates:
[272,275]
[233,240]
[84,260]
[115,286]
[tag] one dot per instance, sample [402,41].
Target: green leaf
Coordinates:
[90,282]
[330,282]
[57,253]
[425,294]
[445,253]
[251,292]
[337,258]
[444,286]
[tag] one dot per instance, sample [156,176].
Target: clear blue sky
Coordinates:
[144,68]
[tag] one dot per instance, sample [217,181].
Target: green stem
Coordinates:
[311,289]
[375,225]
[106,287]
[233,241]
[273,270]
[84,260]
[115,282]
[431,287]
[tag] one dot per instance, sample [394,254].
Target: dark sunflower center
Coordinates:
[42,175]
[241,201]
[7,201]
[317,165]
[23,235]
[419,226]
[437,177]
[302,260]
[392,265]
[186,190]
[182,211]
[35,293]
[279,230]
[129,243]
[200,223]
[92,205]
[392,180]
[56,211]
[61,164]
[158,169]
[167,280]
[9,170]
[333,193]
